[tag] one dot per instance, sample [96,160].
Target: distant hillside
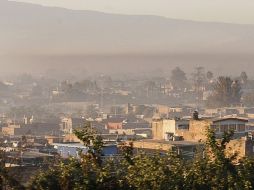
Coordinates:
[27,28]
[51,35]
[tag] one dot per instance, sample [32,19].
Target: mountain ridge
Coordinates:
[119,14]
[33,35]
[62,31]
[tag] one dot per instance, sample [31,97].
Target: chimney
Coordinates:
[195,115]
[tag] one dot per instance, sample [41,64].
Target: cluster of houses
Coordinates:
[187,133]
[169,128]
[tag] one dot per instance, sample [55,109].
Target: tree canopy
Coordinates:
[178,78]
[211,168]
[244,77]
[226,92]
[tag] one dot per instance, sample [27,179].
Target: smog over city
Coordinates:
[124,94]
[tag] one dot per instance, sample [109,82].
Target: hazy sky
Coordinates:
[235,11]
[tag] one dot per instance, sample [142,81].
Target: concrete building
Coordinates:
[198,128]
[68,124]
[195,130]
[240,144]
[184,148]
[10,129]
[164,129]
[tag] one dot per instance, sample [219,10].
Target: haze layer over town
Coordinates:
[124,94]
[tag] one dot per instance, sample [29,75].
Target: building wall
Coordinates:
[162,109]
[161,127]
[175,109]
[122,131]
[66,125]
[250,115]
[71,138]
[53,139]
[169,126]
[151,145]
[10,130]
[114,125]
[197,130]
[249,148]
[236,146]
[187,150]
[157,130]
[211,111]
[7,131]
[242,147]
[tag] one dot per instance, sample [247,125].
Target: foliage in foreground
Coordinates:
[210,169]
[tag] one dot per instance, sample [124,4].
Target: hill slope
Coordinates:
[27,28]
[54,36]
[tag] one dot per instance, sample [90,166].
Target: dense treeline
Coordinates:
[210,169]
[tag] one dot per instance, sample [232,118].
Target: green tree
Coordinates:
[75,173]
[49,179]
[223,166]
[7,181]
[155,171]
[211,169]
[91,139]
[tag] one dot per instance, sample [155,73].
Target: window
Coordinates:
[241,127]
[232,127]
[224,128]
[183,127]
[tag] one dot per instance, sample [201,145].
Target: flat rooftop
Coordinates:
[179,143]
[162,145]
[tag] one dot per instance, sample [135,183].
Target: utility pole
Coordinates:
[101,100]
